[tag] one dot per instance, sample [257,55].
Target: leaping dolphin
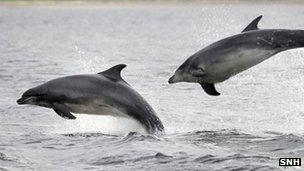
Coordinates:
[232,55]
[105,93]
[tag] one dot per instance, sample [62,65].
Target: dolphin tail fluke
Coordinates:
[210,89]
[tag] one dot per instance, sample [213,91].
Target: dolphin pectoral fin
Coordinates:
[253,25]
[210,89]
[63,111]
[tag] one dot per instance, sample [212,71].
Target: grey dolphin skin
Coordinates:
[105,93]
[232,55]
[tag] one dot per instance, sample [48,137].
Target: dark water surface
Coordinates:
[258,118]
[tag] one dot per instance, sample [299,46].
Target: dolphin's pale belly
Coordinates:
[234,63]
[96,108]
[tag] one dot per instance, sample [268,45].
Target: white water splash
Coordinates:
[102,124]
[89,64]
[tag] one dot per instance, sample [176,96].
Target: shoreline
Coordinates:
[109,3]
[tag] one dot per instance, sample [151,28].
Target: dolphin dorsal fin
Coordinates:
[253,25]
[114,72]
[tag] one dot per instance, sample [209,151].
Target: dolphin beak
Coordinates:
[24,100]
[171,80]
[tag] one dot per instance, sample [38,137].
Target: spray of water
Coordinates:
[90,64]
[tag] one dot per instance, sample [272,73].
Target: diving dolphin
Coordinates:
[232,55]
[105,93]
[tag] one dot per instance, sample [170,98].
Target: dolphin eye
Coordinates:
[199,72]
